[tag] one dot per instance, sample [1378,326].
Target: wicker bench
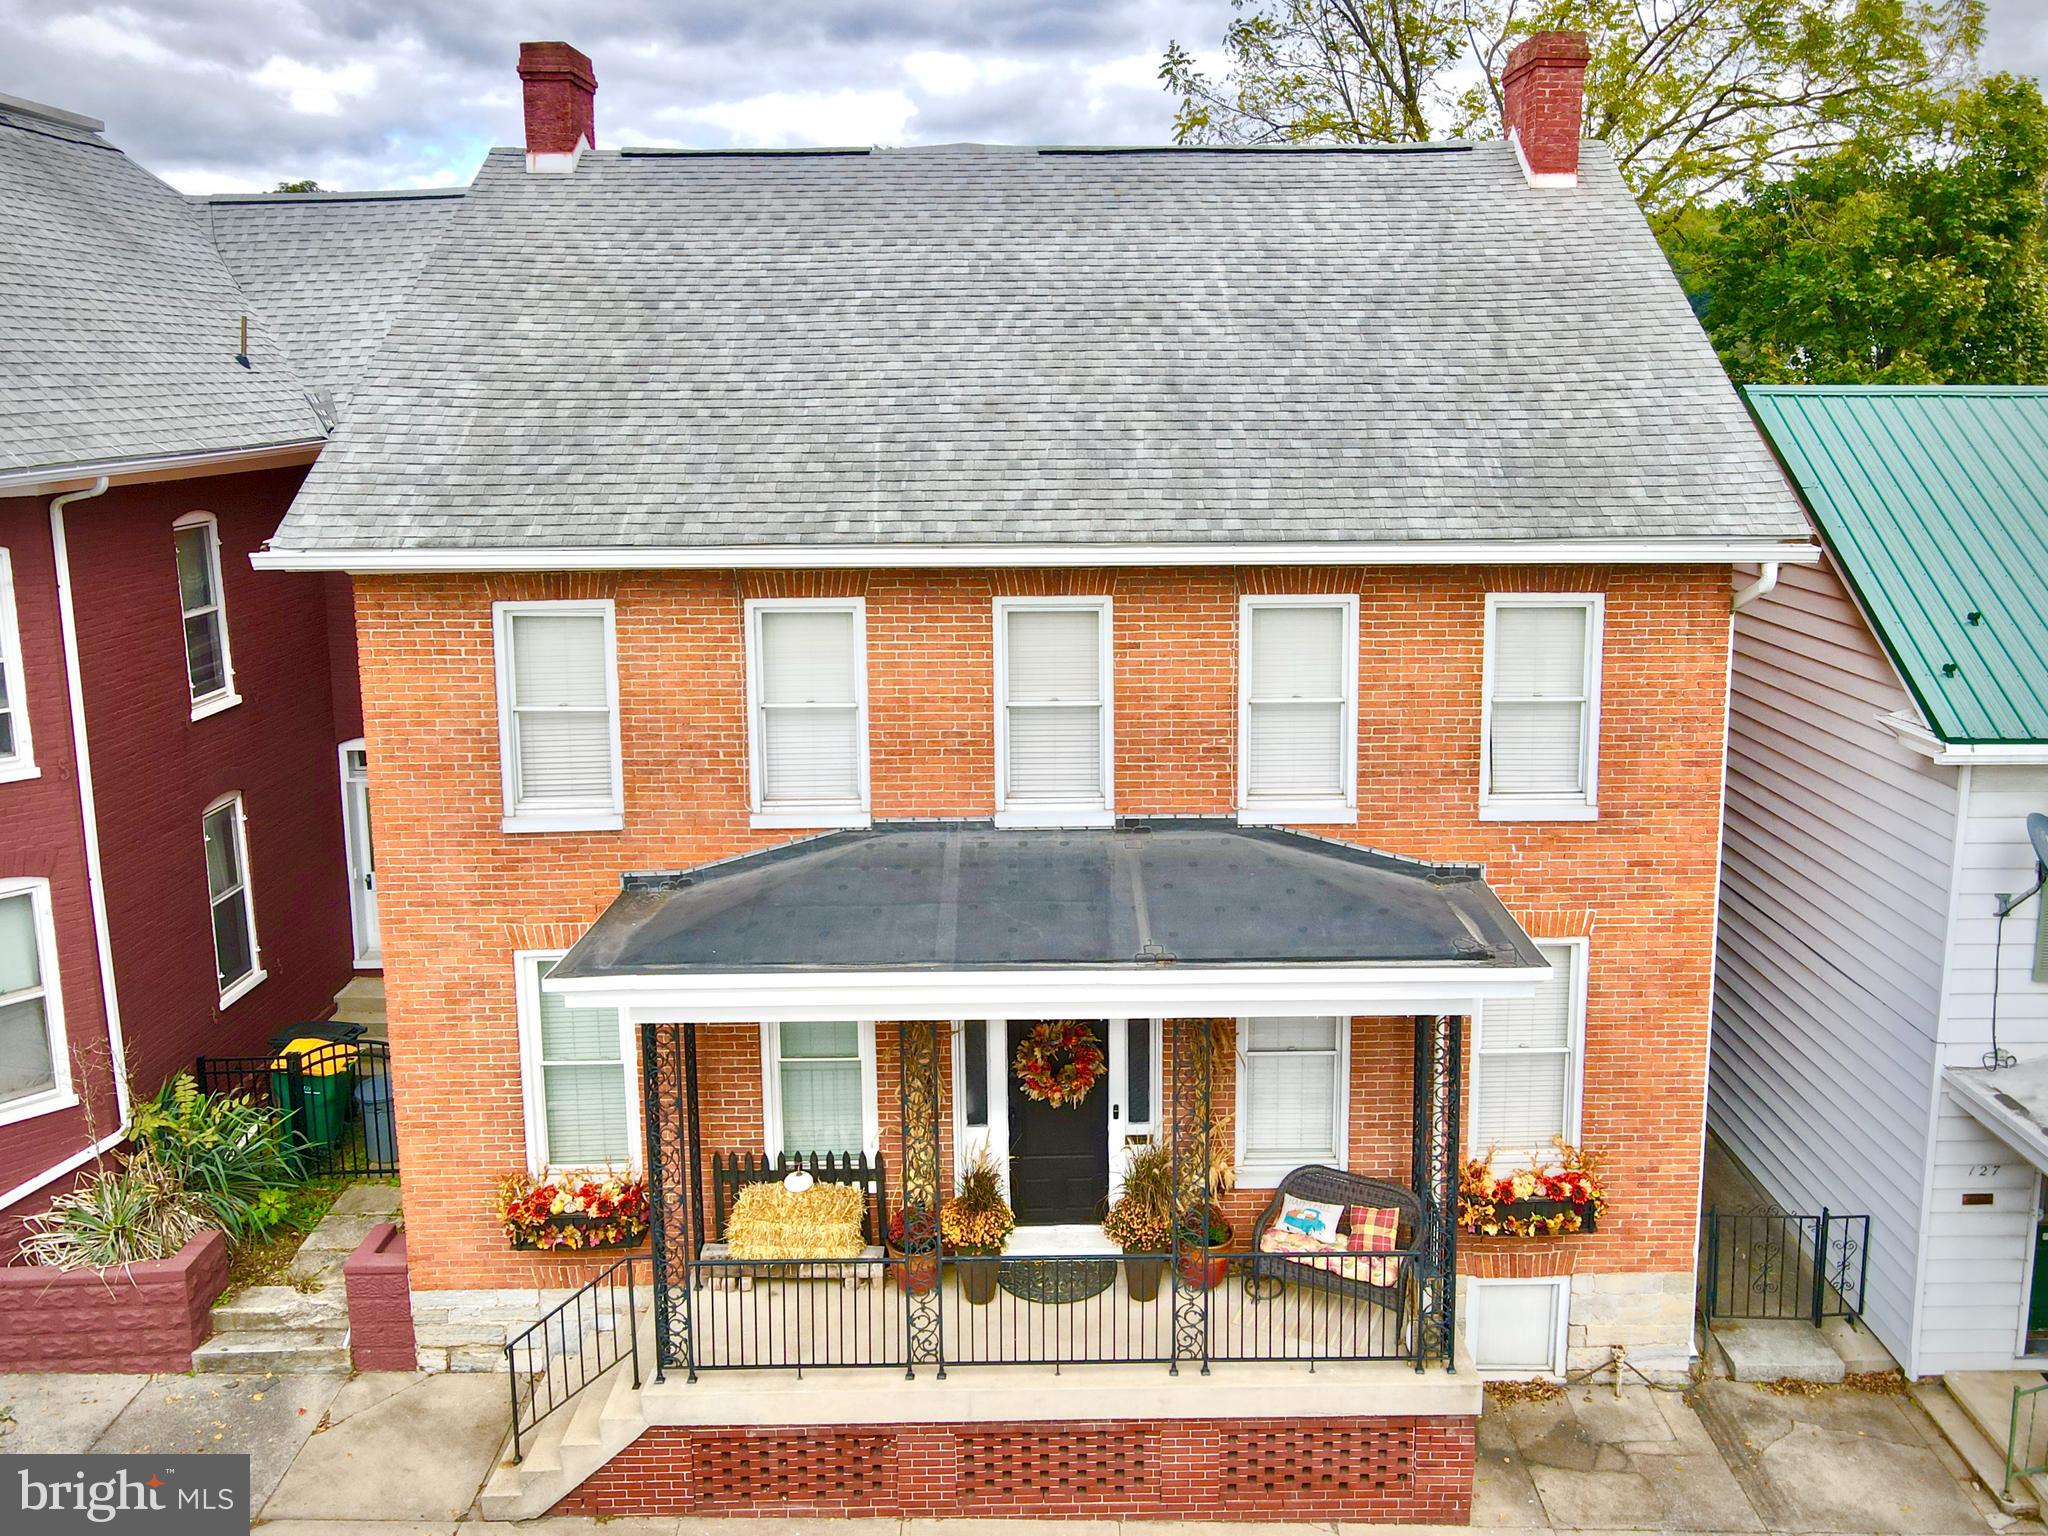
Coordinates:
[1265,1273]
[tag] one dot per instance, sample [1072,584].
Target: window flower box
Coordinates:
[575,1213]
[1559,1199]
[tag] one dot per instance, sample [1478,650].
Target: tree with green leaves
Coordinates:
[1916,259]
[298,186]
[1693,97]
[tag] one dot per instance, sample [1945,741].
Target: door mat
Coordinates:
[1056,1280]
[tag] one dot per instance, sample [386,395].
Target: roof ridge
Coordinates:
[372,195]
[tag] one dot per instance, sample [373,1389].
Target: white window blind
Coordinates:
[1525,1067]
[820,1080]
[1053,698]
[1296,699]
[28,1045]
[1542,691]
[582,1078]
[808,708]
[199,597]
[227,889]
[558,695]
[17,760]
[1290,1083]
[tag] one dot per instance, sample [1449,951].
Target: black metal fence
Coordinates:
[337,1097]
[1770,1264]
[573,1345]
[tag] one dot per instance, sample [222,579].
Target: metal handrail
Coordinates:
[597,1319]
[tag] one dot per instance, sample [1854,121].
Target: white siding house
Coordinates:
[1879,779]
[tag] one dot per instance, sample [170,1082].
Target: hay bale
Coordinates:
[822,1222]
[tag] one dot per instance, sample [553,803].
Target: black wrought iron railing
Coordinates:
[337,1097]
[1771,1264]
[1023,1309]
[572,1346]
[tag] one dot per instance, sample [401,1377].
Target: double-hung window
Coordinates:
[819,1087]
[209,665]
[236,959]
[1541,733]
[17,756]
[558,717]
[807,692]
[35,1067]
[579,1104]
[1053,713]
[1290,1096]
[1525,1064]
[1298,709]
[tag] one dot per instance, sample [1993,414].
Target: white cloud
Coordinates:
[313,90]
[114,35]
[782,119]
[941,74]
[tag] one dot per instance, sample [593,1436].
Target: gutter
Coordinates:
[44,480]
[87,806]
[1762,587]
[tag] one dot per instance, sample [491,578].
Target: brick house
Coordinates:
[176,727]
[822,614]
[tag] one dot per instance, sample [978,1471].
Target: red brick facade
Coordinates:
[1412,1470]
[459,896]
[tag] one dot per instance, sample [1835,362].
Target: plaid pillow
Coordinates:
[1373,1229]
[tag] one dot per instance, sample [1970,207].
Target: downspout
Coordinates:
[1763,586]
[87,807]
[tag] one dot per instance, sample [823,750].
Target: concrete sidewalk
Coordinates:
[406,1455]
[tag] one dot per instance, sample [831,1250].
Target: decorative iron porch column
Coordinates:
[924,1315]
[1434,1173]
[668,1059]
[1193,1121]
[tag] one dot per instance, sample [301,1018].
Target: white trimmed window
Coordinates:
[1540,734]
[1291,1096]
[807,696]
[1526,1059]
[1517,1327]
[575,1068]
[1053,714]
[35,1066]
[236,959]
[558,716]
[818,1087]
[209,664]
[17,754]
[1298,709]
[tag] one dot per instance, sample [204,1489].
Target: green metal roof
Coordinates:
[1934,503]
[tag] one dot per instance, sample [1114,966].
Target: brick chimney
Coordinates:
[561,105]
[1543,104]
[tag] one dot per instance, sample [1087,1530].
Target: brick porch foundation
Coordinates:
[1412,1470]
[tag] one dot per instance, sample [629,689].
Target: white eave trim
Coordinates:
[168,466]
[1053,992]
[1915,734]
[1976,1091]
[394,562]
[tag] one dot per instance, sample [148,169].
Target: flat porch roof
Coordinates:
[932,920]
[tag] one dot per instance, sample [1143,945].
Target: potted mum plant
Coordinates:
[1140,1220]
[574,1212]
[975,1225]
[1554,1199]
[917,1272]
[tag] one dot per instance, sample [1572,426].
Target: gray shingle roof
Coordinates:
[118,322]
[329,270]
[978,345]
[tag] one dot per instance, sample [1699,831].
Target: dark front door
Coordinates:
[1059,1158]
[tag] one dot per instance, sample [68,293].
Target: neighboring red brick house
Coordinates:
[173,880]
[822,615]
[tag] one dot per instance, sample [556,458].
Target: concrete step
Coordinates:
[1857,1345]
[362,1002]
[585,1428]
[272,1307]
[1774,1350]
[313,1350]
[1984,1456]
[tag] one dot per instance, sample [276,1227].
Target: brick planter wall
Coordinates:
[146,1317]
[1408,1470]
[380,1336]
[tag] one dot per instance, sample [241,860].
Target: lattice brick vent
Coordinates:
[1294,1460]
[753,1470]
[1041,1461]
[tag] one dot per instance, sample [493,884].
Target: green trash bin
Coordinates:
[312,1080]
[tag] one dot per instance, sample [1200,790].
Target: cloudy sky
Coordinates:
[234,95]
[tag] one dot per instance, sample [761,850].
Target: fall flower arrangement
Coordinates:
[575,1211]
[1059,1062]
[978,1221]
[1545,1200]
